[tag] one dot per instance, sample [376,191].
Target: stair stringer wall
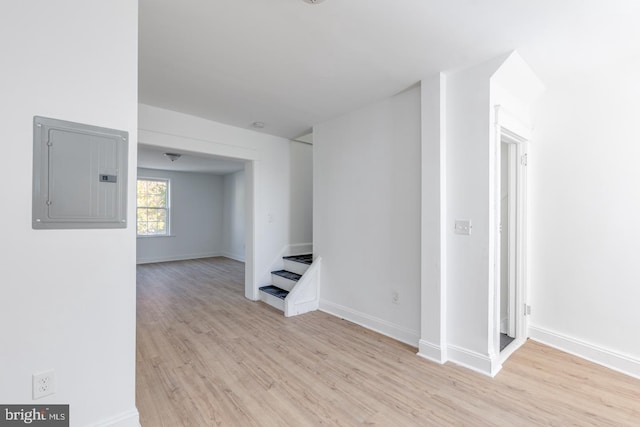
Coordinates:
[305,295]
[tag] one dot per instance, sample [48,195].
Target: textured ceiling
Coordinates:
[291,65]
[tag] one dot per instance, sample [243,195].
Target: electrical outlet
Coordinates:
[44,384]
[395,297]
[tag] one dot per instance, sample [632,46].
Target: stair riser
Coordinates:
[272,301]
[282,282]
[295,267]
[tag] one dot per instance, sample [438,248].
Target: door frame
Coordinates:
[513,153]
[511,131]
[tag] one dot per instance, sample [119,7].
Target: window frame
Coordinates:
[167,207]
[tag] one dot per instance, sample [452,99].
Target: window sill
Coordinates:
[157,236]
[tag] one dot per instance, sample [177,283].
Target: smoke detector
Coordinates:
[313,1]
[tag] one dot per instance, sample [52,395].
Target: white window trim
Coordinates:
[168,208]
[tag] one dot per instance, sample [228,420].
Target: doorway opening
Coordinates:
[212,157]
[510,258]
[508,239]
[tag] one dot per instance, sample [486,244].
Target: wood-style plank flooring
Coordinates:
[206,356]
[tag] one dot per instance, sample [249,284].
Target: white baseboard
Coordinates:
[602,356]
[182,257]
[230,255]
[432,352]
[126,419]
[381,326]
[300,248]
[472,360]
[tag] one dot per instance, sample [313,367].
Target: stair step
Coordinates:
[287,275]
[303,259]
[296,267]
[275,291]
[284,279]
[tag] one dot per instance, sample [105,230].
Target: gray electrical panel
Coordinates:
[79,175]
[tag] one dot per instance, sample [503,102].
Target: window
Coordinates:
[153,207]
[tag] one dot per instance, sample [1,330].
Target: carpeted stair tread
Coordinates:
[275,291]
[287,275]
[303,259]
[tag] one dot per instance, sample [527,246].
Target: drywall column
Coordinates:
[468,177]
[68,296]
[433,343]
[471,96]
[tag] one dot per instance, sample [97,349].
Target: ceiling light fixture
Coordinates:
[257,125]
[313,1]
[172,156]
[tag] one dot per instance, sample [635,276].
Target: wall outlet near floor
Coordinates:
[44,384]
[395,297]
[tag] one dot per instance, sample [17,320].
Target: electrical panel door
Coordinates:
[79,175]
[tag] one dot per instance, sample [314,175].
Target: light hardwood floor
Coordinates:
[206,356]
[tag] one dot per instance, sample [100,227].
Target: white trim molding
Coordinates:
[432,352]
[480,363]
[236,257]
[593,353]
[129,418]
[391,330]
[182,257]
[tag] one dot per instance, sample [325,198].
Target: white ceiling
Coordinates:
[154,158]
[290,64]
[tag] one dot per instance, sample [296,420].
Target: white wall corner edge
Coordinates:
[477,362]
[373,323]
[130,418]
[432,352]
[593,353]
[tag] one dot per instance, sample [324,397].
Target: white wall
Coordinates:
[233,216]
[269,157]
[468,165]
[584,200]
[196,218]
[366,209]
[68,296]
[301,193]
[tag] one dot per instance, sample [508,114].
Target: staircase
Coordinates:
[295,289]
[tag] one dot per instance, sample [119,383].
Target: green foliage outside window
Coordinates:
[152,207]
